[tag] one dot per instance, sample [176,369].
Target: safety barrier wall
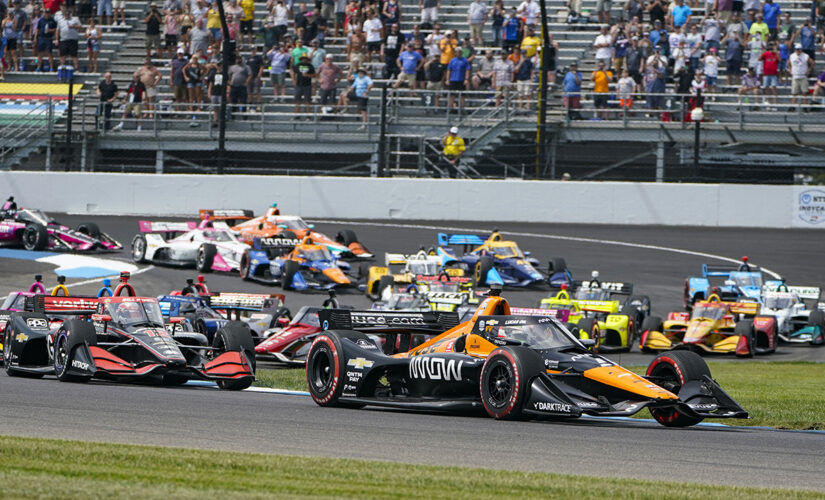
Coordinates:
[424,199]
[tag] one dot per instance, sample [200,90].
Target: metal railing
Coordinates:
[33,128]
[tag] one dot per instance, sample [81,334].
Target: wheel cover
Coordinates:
[244,266]
[666,378]
[30,238]
[321,373]
[201,257]
[500,385]
[6,350]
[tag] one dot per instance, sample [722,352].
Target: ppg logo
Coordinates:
[325,326]
[37,323]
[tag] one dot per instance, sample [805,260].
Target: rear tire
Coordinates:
[556,265]
[139,248]
[290,268]
[205,258]
[69,337]
[482,267]
[504,381]
[243,269]
[35,237]
[671,371]
[346,237]
[89,229]
[235,336]
[591,327]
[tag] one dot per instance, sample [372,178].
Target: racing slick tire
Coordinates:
[687,300]
[290,268]
[651,323]
[505,381]
[72,333]
[89,229]
[139,248]
[235,336]
[35,237]
[817,318]
[638,303]
[671,371]
[346,237]
[198,325]
[326,368]
[384,282]
[243,268]
[483,266]
[205,257]
[591,327]
[556,265]
[745,329]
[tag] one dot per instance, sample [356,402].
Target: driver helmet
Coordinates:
[128,312]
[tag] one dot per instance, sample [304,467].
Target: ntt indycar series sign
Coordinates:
[809,207]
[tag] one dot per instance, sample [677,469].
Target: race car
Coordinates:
[404,269]
[308,265]
[605,311]
[206,246]
[714,326]
[34,230]
[125,341]
[272,224]
[509,366]
[741,282]
[496,261]
[794,321]
[430,293]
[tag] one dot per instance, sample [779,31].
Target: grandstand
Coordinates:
[501,140]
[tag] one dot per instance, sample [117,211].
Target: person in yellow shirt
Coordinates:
[448,46]
[453,149]
[247,19]
[759,26]
[601,88]
[213,25]
[531,42]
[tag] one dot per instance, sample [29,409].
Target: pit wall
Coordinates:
[714,205]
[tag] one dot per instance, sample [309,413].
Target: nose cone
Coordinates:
[697,330]
[336,276]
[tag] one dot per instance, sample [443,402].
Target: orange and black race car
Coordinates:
[287,227]
[511,366]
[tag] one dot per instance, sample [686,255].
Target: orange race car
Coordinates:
[511,366]
[287,227]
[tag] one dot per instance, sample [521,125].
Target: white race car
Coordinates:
[208,246]
[795,322]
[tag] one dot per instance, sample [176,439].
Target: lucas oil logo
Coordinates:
[431,368]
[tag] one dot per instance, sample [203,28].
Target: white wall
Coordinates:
[425,199]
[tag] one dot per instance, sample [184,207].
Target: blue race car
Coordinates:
[302,266]
[742,282]
[496,261]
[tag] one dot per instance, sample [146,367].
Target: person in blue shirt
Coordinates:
[410,61]
[572,85]
[361,86]
[512,30]
[770,14]
[659,37]
[680,15]
[458,74]
[806,36]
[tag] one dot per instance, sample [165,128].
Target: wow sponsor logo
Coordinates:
[810,206]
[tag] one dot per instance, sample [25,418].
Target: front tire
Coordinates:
[243,269]
[205,257]
[744,328]
[139,248]
[671,371]
[35,237]
[326,368]
[504,381]
[346,237]
[89,229]
[73,334]
[290,268]
[483,266]
[235,336]
[817,318]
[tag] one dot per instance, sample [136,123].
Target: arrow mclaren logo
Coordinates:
[360,363]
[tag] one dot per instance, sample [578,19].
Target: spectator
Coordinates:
[657,56]
[153,20]
[458,74]
[601,79]
[633,10]
[107,92]
[213,24]
[303,73]
[723,8]
[733,58]
[756,47]
[390,49]
[247,18]
[530,43]
[770,13]
[502,76]
[410,62]
[634,60]
[603,46]
[361,87]
[278,19]
[674,40]
[9,36]
[659,38]
[760,28]
[355,46]
[104,7]
[187,22]
[92,36]
[435,78]
[737,26]
[603,11]
[447,48]
[512,30]
[711,70]
[171,32]
[770,71]
[529,10]
[552,59]
[176,79]
[750,19]
[737,8]
[453,149]
[784,54]
[193,74]
[753,6]
[476,17]
[340,7]
[524,72]
[391,13]
[750,84]
[415,35]
[680,15]
[316,54]
[256,71]
[787,27]
[214,88]
[657,10]
[697,91]
[819,85]
[694,47]
[329,74]
[626,87]
[572,84]
[654,83]
[239,78]
[429,12]
[132,101]
[801,65]
[374,32]
[150,77]
[299,51]
[44,40]
[712,31]
[806,37]
[620,43]
[198,38]
[279,61]
[498,14]
[68,35]
[679,56]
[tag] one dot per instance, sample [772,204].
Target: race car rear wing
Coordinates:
[617,287]
[280,245]
[229,215]
[387,321]
[60,304]
[245,301]
[725,271]
[560,314]
[448,273]
[803,292]
[447,239]
[166,227]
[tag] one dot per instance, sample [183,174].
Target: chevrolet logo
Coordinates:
[22,337]
[360,363]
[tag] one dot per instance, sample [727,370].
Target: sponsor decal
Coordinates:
[809,207]
[22,337]
[349,388]
[325,325]
[520,321]
[434,368]
[704,406]
[388,319]
[551,363]
[604,285]
[37,323]
[80,364]
[552,407]
[354,376]
[360,363]
[366,344]
[280,242]
[587,404]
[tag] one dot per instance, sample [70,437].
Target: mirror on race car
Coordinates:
[588,343]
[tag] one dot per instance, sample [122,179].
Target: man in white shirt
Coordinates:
[800,67]
[603,45]
[529,10]
[476,17]
[374,31]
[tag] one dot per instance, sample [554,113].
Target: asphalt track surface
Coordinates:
[208,418]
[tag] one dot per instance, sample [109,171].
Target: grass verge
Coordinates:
[98,470]
[786,395]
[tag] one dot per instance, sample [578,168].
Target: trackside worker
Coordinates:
[453,148]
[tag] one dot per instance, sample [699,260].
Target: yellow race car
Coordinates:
[714,326]
[406,269]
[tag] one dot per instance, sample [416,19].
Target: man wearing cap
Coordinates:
[361,86]
[634,60]
[806,37]
[712,31]
[329,74]
[302,76]
[176,80]
[601,79]
[68,34]
[44,40]
[572,84]
[502,75]
[256,68]
[760,27]
[410,61]
[458,74]
[453,149]
[801,66]
[711,69]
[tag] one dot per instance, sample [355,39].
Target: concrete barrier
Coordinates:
[728,205]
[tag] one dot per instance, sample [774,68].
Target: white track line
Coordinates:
[774,274]
[114,276]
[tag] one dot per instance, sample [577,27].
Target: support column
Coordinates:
[660,161]
[159,161]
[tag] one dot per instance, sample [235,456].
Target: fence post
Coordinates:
[421,154]
[660,161]
[263,123]
[50,104]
